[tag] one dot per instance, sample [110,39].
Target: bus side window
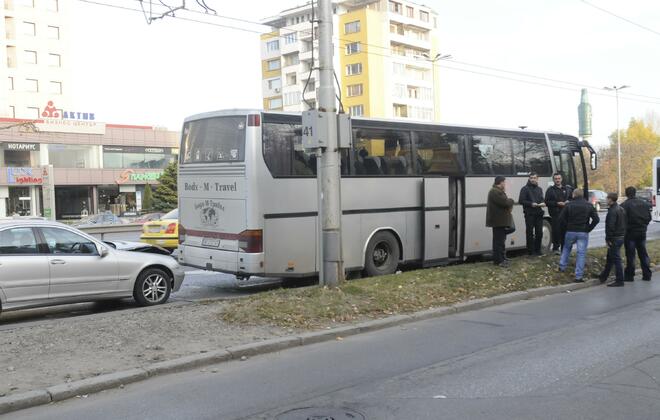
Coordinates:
[531,155]
[382,152]
[491,155]
[438,153]
[284,153]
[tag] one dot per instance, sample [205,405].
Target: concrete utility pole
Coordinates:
[329,175]
[616,90]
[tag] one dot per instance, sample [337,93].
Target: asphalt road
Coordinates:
[591,354]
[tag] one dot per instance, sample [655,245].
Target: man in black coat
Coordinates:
[498,217]
[615,231]
[531,198]
[638,217]
[556,197]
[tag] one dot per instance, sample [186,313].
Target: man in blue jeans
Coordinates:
[577,219]
[615,231]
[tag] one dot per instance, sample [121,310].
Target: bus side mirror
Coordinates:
[594,161]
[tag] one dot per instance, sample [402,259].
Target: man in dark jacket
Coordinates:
[531,198]
[498,217]
[556,197]
[577,219]
[615,231]
[638,217]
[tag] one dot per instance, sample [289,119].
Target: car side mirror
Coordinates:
[103,251]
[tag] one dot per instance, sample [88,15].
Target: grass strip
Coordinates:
[406,292]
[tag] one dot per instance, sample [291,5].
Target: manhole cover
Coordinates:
[320,413]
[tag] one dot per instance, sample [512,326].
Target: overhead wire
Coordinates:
[623,96]
[632,22]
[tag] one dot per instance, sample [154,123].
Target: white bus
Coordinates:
[411,192]
[655,197]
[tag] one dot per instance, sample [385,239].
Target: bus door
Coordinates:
[655,197]
[443,219]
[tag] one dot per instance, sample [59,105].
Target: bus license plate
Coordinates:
[214,242]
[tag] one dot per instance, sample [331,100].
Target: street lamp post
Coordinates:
[616,90]
[433,60]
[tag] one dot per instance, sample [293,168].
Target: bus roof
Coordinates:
[476,128]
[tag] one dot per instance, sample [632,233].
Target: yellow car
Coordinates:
[163,232]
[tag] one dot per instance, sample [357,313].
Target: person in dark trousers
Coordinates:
[577,219]
[500,219]
[531,198]
[556,197]
[638,217]
[615,231]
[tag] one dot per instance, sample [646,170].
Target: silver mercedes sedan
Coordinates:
[45,263]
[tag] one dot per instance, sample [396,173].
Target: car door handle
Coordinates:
[57,262]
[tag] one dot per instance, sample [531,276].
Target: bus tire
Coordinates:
[382,255]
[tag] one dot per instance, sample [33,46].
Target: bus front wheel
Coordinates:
[382,255]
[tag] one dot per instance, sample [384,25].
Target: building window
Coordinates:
[352,27]
[53,32]
[410,12]
[356,110]
[52,5]
[32,112]
[74,156]
[398,50]
[11,83]
[291,38]
[354,90]
[274,83]
[352,69]
[273,45]
[435,22]
[396,7]
[54,60]
[400,111]
[30,57]
[291,98]
[396,28]
[291,59]
[275,103]
[12,111]
[399,69]
[56,87]
[291,79]
[352,48]
[29,29]
[423,16]
[274,65]
[31,85]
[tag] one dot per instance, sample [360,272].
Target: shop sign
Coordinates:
[48,191]
[22,147]
[24,176]
[60,121]
[137,149]
[129,175]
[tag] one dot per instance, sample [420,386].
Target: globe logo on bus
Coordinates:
[209,216]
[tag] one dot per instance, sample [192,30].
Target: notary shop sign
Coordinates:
[66,121]
[130,176]
[20,147]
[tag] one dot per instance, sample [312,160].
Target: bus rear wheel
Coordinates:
[382,255]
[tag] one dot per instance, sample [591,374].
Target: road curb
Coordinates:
[240,352]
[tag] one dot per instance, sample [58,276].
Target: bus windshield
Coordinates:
[217,139]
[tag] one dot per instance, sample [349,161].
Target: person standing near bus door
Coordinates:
[615,231]
[532,200]
[500,219]
[556,197]
[638,217]
[577,219]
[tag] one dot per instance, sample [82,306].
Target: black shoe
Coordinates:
[578,281]
[602,279]
[616,284]
[629,280]
[646,279]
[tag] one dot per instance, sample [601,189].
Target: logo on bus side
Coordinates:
[209,212]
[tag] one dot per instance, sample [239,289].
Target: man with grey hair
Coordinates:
[577,219]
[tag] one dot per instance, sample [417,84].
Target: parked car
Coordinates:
[44,263]
[106,218]
[646,194]
[163,232]
[598,199]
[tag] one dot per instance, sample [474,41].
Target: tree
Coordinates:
[640,142]
[166,196]
[148,199]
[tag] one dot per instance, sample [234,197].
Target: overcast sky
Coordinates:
[133,73]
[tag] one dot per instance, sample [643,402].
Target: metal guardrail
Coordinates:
[99,231]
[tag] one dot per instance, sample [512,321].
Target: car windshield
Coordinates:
[174,214]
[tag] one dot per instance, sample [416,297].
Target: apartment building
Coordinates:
[35,66]
[383,59]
